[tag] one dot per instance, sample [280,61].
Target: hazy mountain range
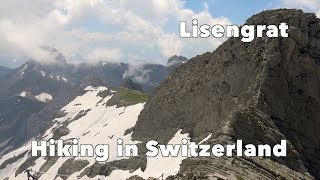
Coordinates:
[32,94]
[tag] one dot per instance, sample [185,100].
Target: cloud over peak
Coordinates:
[93,30]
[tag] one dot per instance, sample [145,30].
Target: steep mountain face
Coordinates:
[260,92]
[14,113]
[36,79]
[31,96]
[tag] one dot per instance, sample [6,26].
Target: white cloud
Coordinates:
[104,54]
[139,73]
[306,5]
[170,45]
[93,30]
[310,4]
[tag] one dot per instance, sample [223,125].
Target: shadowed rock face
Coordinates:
[128,83]
[177,59]
[14,121]
[260,92]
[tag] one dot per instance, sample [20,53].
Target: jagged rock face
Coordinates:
[14,114]
[176,58]
[20,99]
[35,78]
[260,92]
[128,83]
[175,61]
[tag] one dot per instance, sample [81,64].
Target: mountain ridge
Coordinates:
[113,73]
[250,91]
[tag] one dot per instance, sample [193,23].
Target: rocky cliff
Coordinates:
[260,92]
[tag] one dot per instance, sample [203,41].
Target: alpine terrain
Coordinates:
[32,95]
[260,92]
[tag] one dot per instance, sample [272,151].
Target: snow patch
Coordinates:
[124,75]
[43,73]
[23,69]
[10,169]
[64,79]
[173,63]
[23,94]
[205,139]
[44,97]
[95,89]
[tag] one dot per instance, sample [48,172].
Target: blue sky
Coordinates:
[238,11]
[118,30]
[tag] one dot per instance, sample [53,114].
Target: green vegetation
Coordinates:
[131,95]
[239,177]
[126,97]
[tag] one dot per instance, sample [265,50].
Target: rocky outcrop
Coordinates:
[176,58]
[260,92]
[71,166]
[128,83]
[107,168]
[175,61]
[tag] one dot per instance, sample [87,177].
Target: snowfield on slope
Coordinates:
[93,123]
[43,97]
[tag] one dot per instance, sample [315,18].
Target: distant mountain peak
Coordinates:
[50,55]
[177,58]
